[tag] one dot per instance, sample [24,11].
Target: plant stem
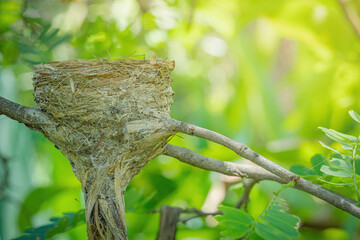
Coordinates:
[284,186]
[354,169]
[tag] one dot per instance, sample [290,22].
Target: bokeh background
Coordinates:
[265,73]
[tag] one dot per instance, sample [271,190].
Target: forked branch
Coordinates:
[335,199]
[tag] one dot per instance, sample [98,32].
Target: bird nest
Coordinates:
[109,120]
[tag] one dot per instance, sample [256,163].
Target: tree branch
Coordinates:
[227,168]
[335,199]
[29,116]
[350,16]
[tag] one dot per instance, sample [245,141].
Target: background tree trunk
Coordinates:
[168,222]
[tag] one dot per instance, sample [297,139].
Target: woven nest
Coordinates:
[109,120]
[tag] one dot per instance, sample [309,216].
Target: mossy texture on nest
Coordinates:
[109,121]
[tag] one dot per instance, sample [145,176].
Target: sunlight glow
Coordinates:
[214,46]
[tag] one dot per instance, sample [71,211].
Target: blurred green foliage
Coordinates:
[265,73]
[272,224]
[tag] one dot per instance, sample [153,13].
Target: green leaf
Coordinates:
[302,170]
[338,136]
[235,222]
[236,214]
[254,236]
[44,32]
[33,203]
[340,156]
[335,171]
[279,208]
[136,200]
[357,167]
[75,218]
[58,41]
[343,164]
[317,161]
[285,217]
[277,224]
[59,225]
[347,146]
[287,228]
[233,229]
[36,233]
[330,148]
[269,233]
[50,36]
[272,224]
[355,115]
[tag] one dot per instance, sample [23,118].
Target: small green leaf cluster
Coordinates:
[273,224]
[319,173]
[342,169]
[348,142]
[58,225]
[344,164]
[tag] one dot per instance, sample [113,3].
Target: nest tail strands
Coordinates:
[109,120]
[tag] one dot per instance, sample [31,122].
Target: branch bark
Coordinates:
[227,168]
[242,150]
[32,117]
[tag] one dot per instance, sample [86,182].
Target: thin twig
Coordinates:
[350,16]
[198,213]
[245,197]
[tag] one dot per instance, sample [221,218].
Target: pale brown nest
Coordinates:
[109,120]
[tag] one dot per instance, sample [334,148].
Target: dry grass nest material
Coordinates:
[103,110]
[71,88]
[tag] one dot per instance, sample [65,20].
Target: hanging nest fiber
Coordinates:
[109,120]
